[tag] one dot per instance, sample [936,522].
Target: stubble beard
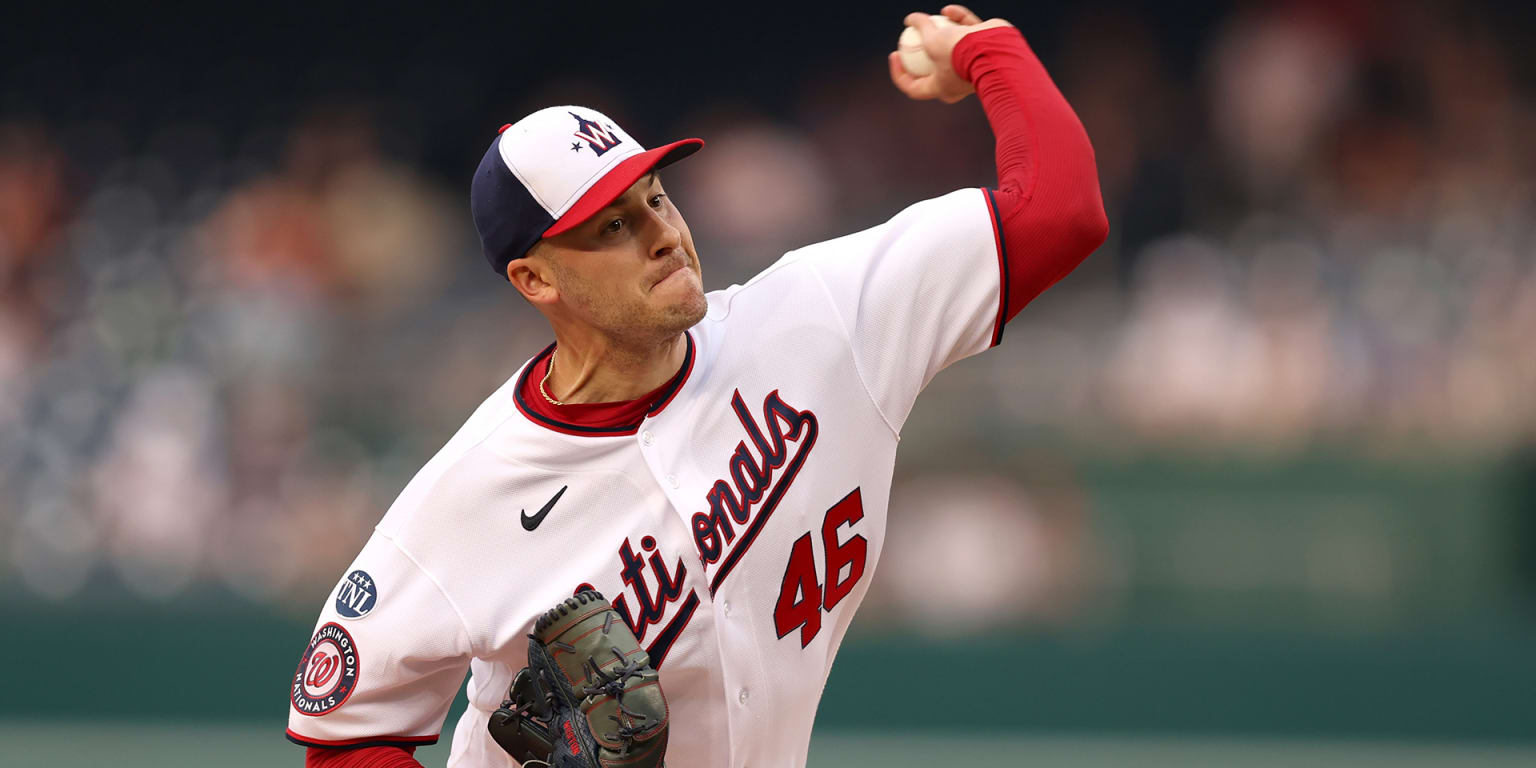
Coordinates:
[636,324]
[665,322]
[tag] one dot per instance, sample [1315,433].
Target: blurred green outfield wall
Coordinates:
[1445,653]
[1454,683]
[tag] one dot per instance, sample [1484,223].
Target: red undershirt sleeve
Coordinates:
[1047,206]
[364,757]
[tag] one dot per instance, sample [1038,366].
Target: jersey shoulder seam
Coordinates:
[858,367]
[468,451]
[481,443]
[463,623]
[728,296]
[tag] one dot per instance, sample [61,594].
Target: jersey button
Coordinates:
[742,696]
[647,438]
[727,608]
[672,480]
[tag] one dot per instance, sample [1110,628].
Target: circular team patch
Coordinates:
[356,595]
[327,673]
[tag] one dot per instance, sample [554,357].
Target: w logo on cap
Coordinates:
[537,179]
[600,139]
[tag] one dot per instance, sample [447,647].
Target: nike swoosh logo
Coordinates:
[530,523]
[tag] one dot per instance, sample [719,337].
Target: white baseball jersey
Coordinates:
[735,528]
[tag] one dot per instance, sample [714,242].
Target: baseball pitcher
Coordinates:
[649,542]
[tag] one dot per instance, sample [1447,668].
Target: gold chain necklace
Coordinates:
[547,372]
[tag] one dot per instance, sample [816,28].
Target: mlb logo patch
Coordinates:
[356,595]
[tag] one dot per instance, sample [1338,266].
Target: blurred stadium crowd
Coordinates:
[221,356]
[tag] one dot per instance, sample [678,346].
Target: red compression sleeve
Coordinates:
[1048,209]
[364,757]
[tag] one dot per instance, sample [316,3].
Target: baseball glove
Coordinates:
[588,698]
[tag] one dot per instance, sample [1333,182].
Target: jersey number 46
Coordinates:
[802,597]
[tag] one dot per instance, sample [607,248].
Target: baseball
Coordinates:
[910,48]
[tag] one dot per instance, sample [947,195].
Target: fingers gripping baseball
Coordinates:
[938,42]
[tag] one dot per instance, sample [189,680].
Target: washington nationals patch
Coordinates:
[327,672]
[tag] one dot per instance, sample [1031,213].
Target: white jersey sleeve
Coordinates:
[915,294]
[390,646]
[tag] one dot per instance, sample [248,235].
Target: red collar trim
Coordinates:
[594,419]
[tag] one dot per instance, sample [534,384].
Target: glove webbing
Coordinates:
[614,686]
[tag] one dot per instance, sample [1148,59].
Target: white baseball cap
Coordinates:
[552,170]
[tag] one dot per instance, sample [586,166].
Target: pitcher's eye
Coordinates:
[613,226]
[656,200]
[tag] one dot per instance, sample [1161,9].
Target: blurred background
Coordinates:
[1256,485]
